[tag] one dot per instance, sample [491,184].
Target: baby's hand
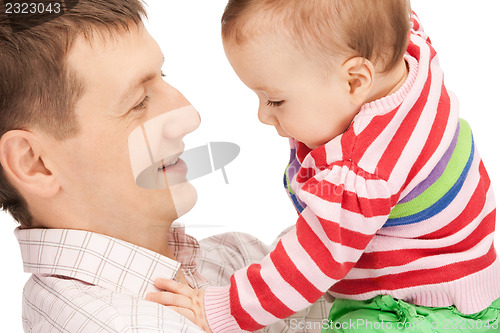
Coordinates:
[182,299]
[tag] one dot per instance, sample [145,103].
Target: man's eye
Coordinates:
[142,105]
[274,103]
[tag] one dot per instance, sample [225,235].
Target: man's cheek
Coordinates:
[154,155]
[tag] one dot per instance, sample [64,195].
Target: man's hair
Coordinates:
[376,30]
[37,89]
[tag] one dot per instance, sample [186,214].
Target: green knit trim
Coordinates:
[288,180]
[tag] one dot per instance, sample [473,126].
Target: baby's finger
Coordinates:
[167,298]
[184,312]
[173,287]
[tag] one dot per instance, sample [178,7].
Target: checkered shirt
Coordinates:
[88,282]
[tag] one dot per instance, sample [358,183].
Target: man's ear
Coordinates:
[20,156]
[360,75]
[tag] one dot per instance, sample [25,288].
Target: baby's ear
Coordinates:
[22,164]
[360,74]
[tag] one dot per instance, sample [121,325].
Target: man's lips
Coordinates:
[164,166]
[168,162]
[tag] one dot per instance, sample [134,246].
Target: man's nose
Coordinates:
[266,116]
[181,122]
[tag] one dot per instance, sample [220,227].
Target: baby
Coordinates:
[396,213]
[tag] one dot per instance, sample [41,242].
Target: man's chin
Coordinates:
[184,197]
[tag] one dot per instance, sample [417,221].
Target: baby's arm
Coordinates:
[345,208]
[328,239]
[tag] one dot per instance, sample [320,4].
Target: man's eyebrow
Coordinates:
[136,84]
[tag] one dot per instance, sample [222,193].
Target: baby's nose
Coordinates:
[266,116]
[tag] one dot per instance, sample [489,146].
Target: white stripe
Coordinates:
[429,262]
[354,221]
[333,150]
[448,135]
[282,289]
[459,292]
[375,151]
[340,253]
[249,301]
[351,182]
[304,263]
[420,134]
[349,220]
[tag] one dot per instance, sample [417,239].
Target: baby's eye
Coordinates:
[141,105]
[274,103]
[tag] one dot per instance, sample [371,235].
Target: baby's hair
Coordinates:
[376,30]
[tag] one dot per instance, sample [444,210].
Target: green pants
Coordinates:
[386,314]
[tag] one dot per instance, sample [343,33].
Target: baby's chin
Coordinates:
[282,133]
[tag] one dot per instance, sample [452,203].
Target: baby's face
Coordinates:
[296,96]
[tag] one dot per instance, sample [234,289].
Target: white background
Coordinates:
[188,31]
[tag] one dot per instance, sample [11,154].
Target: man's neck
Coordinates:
[156,239]
[150,234]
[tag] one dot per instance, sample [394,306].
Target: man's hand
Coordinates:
[183,299]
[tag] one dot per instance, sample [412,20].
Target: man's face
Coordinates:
[124,89]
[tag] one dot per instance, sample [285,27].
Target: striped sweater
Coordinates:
[399,204]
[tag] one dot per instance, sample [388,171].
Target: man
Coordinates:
[71,104]
[64,151]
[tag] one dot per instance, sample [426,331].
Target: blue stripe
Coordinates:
[296,203]
[441,204]
[294,198]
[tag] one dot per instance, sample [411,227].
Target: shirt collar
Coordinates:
[106,261]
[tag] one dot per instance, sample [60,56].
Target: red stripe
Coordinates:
[319,253]
[267,299]
[244,320]
[417,277]
[413,50]
[392,154]
[319,156]
[367,207]
[354,168]
[305,174]
[302,151]
[368,136]
[293,276]
[416,25]
[347,142]
[471,211]
[347,237]
[435,135]
[382,259]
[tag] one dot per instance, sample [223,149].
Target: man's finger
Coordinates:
[167,298]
